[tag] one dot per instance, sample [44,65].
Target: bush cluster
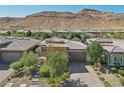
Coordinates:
[17,65]
[114,70]
[121,72]
[45,70]
[56,81]
[27,60]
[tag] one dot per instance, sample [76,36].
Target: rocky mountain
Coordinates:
[47,20]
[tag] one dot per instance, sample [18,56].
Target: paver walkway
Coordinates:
[89,78]
[112,79]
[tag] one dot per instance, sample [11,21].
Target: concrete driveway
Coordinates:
[85,73]
[5,71]
[77,67]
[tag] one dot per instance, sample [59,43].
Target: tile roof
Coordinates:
[75,45]
[101,40]
[55,40]
[18,44]
[117,49]
[108,48]
[110,45]
[119,43]
[104,40]
[68,43]
[113,49]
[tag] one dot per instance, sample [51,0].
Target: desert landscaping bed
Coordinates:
[108,79]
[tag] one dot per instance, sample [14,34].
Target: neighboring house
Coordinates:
[75,50]
[11,48]
[114,50]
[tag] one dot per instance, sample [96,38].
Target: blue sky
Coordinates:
[23,10]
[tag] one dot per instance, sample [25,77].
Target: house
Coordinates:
[75,50]
[114,50]
[11,48]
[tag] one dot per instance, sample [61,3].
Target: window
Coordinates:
[118,59]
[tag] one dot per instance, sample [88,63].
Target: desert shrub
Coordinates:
[107,84]
[121,68]
[122,81]
[29,77]
[114,70]
[33,70]
[121,72]
[93,66]
[51,80]
[102,78]
[55,81]
[95,69]
[45,70]
[65,76]
[17,74]
[98,73]
[16,65]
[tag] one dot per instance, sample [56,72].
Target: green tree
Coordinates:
[95,53]
[71,35]
[46,35]
[78,35]
[57,62]
[84,37]
[8,33]
[29,33]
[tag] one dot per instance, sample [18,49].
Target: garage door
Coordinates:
[77,57]
[8,57]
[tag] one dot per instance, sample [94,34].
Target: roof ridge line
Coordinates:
[114,48]
[18,44]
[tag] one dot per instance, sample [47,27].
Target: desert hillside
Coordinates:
[47,20]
